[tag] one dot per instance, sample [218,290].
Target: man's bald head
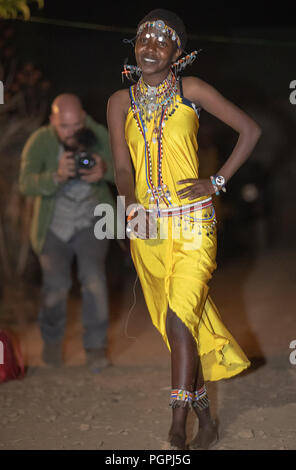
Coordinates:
[66,103]
[67,116]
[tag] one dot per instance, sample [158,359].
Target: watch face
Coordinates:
[220,180]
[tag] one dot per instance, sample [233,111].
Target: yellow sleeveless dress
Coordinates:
[174,270]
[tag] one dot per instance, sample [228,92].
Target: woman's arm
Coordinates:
[208,98]
[117,109]
[116,116]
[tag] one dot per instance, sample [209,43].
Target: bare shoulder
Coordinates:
[194,88]
[120,101]
[193,83]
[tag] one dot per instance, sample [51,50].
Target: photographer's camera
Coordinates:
[83,161]
[85,139]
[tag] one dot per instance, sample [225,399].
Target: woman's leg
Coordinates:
[184,365]
[207,431]
[187,375]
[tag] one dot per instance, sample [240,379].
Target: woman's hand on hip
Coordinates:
[196,188]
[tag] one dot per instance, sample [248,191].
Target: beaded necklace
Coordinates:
[157,104]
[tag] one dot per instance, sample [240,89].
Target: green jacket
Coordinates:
[39,162]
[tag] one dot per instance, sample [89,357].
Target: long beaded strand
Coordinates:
[159,104]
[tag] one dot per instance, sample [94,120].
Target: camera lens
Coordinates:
[85,160]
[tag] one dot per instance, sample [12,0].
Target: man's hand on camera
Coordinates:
[66,168]
[96,173]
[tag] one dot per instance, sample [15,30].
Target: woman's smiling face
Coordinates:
[155,51]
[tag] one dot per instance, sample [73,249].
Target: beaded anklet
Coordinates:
[180,398]
[200,399]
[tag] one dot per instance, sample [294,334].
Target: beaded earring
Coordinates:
[129,71]
[180,64]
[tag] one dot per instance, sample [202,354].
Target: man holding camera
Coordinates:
[66,189]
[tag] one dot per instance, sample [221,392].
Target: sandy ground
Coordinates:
[126,406]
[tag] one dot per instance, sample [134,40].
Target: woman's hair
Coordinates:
[170,19]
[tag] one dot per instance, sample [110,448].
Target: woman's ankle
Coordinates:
[177,437]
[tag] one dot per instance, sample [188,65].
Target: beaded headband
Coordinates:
[161,27]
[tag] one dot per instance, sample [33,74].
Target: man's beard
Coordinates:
[67,147]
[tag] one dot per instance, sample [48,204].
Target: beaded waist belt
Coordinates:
[182,210]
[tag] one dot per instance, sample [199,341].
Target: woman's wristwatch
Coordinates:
[218,181]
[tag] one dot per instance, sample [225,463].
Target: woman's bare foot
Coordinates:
[206,437]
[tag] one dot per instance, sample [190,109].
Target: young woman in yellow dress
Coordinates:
[153,129]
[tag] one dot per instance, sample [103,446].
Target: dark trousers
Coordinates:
[56,261]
